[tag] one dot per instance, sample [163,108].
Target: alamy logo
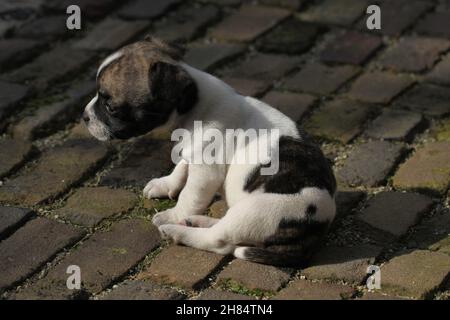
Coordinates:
[73,21]
[374,280]
[374,20]
[231,146]
[74,280]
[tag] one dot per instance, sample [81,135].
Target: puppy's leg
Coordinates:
[199,221]
[168,186]
[254,220]
[202,183]
[250,221]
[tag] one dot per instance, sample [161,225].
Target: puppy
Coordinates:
[273,219]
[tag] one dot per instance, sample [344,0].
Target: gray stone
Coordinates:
[212,294]
[141,290]
[39,240]
[10,96]
[111,34]
[13,153]
[144,9]
[342,263]
[211,55]
[11,218]
[431,100]
[369,163]
[294,105]
[395,212]
[394,125]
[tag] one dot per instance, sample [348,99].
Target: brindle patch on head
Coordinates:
[141,87]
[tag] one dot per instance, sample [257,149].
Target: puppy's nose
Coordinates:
[85,117]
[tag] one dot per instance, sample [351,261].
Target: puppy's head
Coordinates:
[138,88]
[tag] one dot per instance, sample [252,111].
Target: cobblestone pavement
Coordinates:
[379,103]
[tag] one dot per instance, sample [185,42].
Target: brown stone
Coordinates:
[31,246]
[248,23]
[247,87]
[183,266]
[415,274]
[212,294]
[379,87]
[254,276]
[54,173]
[13,154]
[320,79]
[342,263]
[88,206]
[428,168]
[141,290]
[307,290]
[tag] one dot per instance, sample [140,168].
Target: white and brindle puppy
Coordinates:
[272,219]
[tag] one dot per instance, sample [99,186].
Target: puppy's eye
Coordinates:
[109,108]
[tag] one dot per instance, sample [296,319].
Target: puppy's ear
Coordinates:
[172,84]
[174,50]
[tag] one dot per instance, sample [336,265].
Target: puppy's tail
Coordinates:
[267,256]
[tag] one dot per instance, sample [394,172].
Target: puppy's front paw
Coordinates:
[157,188]
[168,231]
[165,217]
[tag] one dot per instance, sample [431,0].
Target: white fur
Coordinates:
[251,217]
[116,55]
[97,128]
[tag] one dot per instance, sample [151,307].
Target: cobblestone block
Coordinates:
[41,71]
[147,160]
[12,218]
[381,155]
[183,266]
[39,240]
[428,99]
[414,54]
[395,212]
[143,9]
[379,296]
[10,96]
[254,276]
[265,67]
[352,47]
[185,24]
[141,290]
[379,87]
[55,172]
[212,294]
[415,274]
[429,233]
[16,51]
[49,118]
[428,168]
[344,12]
[111,34]
[342,263]
[320,79]
[248,87]
[88,206]
[435,24]
[347,200]
[394,125]
[13,154]
[103,258]
[248,23]
[307,290]
[292,37]
[294,105]
[338,120]
[211,55]
[46,28]
[441,72]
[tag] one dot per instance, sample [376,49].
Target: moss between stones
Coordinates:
[233,286]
